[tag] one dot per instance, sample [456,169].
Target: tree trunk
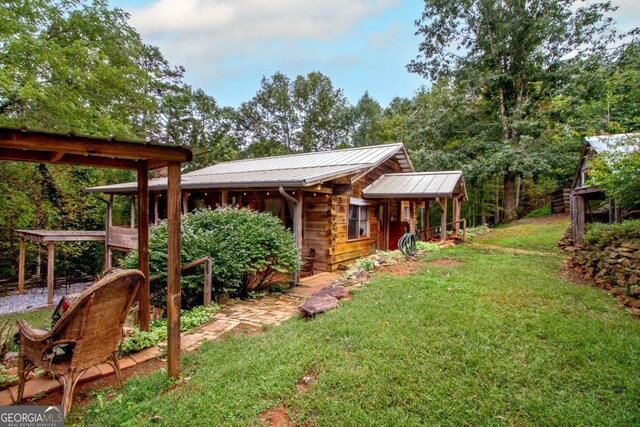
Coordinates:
[509,198]
[497,211]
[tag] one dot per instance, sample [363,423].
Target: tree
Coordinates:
[617,171]
[286,116]
[512,53]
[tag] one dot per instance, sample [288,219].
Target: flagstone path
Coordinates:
[250,314]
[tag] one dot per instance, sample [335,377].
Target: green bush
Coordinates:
[601,235]
[247,249]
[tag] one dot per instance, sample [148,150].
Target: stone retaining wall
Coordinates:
[615,268]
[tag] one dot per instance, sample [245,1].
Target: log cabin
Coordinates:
[343,203]
[588,203]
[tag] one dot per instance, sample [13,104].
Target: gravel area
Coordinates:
[35,298]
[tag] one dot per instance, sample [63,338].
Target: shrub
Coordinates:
[601,235]
[246,247]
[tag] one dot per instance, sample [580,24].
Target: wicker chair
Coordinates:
[92,324]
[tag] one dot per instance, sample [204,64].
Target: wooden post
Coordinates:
[427,221]
[185,203]
[23,254]
[173,270]
[143,246]
[107,237]
[298,219]
[412,218]
[50,261]
[224,198]
[443,219]
[156,208]
[464,229]
[456,215]
[38,260]
[207,283]
[133,211]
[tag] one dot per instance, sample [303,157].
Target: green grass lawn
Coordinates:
[39,319]
[540,234]
[500,339]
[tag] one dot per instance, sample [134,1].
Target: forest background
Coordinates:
[511,89]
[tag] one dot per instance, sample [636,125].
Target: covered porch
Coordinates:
[406,202]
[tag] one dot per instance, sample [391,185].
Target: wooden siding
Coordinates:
[342,250]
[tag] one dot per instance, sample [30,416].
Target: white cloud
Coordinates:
[219,29]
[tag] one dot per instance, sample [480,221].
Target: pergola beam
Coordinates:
[91,146]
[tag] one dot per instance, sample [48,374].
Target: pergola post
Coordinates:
[50,277]
[443,218]
[143,245]
[107,229]
[173,270]
[156,208]
[23,254]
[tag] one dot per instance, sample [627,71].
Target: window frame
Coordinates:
[359,204]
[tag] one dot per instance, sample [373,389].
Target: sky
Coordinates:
[227,46]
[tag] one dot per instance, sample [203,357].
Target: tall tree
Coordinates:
[306,114]
[512,52]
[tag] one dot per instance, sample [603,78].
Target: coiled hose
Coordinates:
[407,244]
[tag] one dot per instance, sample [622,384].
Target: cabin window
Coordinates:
[280,209]
[358,220]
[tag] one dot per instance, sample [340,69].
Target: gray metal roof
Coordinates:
[621,142]
[296,170]
[417,185]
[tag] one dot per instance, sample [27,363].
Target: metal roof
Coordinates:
[296,170]
[417,185]
[621,142]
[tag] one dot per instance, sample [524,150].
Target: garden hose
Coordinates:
[407,244]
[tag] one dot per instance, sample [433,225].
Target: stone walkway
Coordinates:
[251,314]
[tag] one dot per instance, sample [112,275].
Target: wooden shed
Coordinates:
[588,203]
[342,203]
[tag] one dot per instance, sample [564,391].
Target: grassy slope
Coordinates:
[540,234]
[499,340]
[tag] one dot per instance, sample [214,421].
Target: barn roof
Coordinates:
[420,185]
[296,170]
[621,142]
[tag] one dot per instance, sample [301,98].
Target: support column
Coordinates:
[207,283]
[23,254]
[427,221]
[224,198]
[298,219]
[412,217]
[133,212]
[156,208]
[456,215]
[185,203]
[50,270]
[107,229]
[143,245]
[173,270]
[443,218]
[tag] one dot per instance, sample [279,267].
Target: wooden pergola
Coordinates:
[68,149]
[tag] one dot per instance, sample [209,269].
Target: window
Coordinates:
[358,221]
